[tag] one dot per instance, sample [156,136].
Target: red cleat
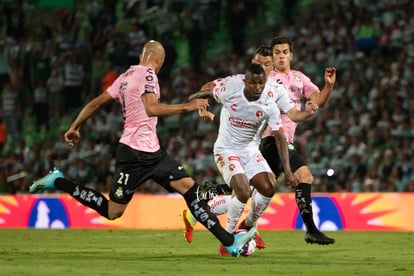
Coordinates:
[223,252]
[258,239]
[188,226]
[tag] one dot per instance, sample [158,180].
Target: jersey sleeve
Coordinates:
[308,86]
[275,121]
[113,89]
[283,102]
[219,89]
[224,87]
[279,93]
[149,82]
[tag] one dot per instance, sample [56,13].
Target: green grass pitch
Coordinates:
[137,252]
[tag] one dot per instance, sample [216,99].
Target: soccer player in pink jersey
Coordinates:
[299,87]
[139,156]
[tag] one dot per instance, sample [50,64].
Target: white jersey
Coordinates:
[242,121]
[278,93]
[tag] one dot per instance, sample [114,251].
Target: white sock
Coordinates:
[257,208]
[219,204]
[235,210]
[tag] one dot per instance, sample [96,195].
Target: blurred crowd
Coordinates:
[53,61]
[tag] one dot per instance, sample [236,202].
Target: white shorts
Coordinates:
[248,161]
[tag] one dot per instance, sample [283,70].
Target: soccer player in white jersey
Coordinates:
[243,117]
[299,87]
[277,93]
[139,156]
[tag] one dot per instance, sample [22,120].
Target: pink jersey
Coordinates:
[139,129]
[299,86]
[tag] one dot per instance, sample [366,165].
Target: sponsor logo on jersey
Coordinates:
[149,88]
[235,97]
[232,167]
[241,123]
[217,203]
[270,94]
[259,113]
[234,107]
[233,158]
[220,161]
[119,192]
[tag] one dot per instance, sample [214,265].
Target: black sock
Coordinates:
[201,211]
[304,202]
[224,189]
[84,195]
[213,190]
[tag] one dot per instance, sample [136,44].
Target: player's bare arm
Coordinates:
[299,116]
[321,97]
[202,94]
[72,136]
[154,108]
[206,115]
[330,76]
[205,93]
[311,107]
[281,144]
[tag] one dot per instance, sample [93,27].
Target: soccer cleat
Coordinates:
[223,251]
[257,238]
[259,241]
[46,182]
[319,238]
[240,240]
[189,224]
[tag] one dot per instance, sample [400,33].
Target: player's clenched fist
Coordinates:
[72,137]
[198,104]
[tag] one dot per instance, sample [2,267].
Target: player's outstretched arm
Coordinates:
[321,97]
[206,91]
[206,115]
[282,148]
[299,116]
[72,136]
[202,94]
[154,108]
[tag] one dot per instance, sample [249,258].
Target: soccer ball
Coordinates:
[249,247]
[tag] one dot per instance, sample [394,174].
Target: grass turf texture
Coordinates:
[134,252]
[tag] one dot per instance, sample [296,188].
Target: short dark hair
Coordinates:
[281,40]
[254,68]
[263,50]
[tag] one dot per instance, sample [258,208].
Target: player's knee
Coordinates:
[183,185]
[268,191]
[243,196]
[306,178]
